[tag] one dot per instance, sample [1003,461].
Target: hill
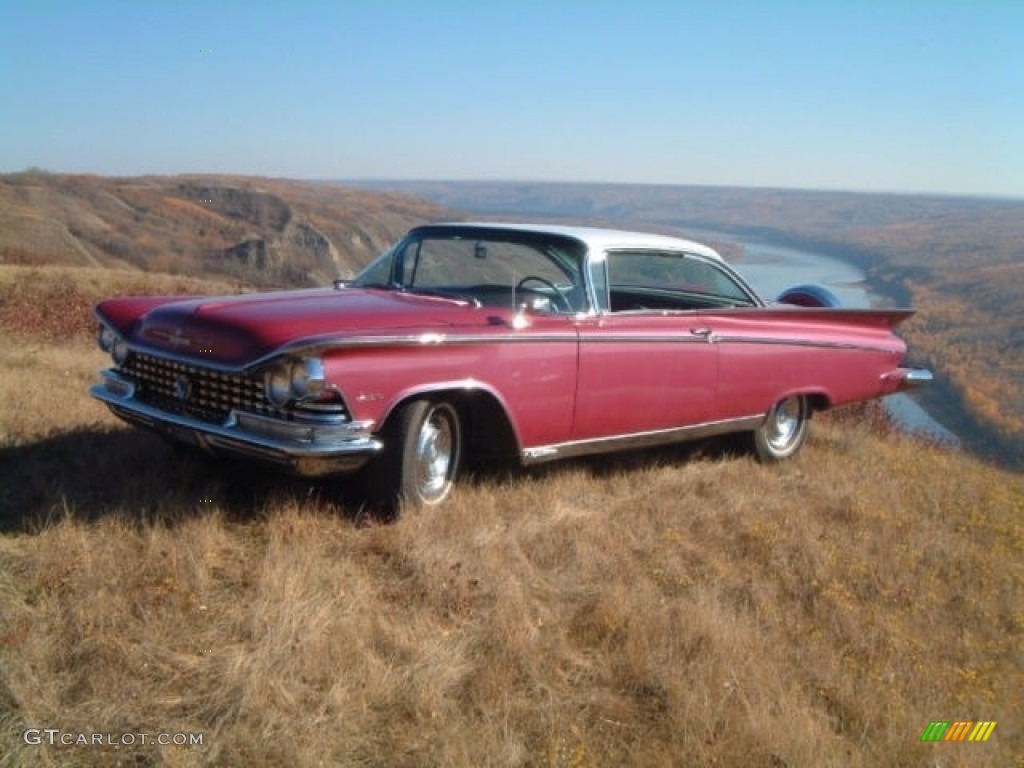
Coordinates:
[674,607]
[958,261]
[266,231]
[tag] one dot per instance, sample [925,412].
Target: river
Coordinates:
[771,269]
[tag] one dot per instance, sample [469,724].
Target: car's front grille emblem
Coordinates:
[183,388]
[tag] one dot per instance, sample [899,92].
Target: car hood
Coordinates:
[237,330]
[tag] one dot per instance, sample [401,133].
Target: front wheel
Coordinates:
[784,429]
[423,447]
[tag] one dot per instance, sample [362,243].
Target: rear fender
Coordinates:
[871,318]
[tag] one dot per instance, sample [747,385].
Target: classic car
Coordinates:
[471,339]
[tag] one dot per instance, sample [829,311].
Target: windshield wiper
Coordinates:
[374,286]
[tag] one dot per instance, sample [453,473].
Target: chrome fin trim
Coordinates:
[909,378]
[801,343]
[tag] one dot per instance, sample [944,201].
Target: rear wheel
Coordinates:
[784,429]
[422,450]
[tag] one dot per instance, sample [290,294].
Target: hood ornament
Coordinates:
[179,339]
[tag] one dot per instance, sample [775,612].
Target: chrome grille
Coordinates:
[198,392]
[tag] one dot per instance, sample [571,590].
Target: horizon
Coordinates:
[386,181]
[909,99]
[1019,198]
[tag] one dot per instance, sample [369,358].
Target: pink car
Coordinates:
[472,339]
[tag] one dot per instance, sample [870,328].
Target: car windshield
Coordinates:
[487,267]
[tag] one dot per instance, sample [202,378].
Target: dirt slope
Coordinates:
[267,231]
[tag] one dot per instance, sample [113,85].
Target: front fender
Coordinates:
[533,383]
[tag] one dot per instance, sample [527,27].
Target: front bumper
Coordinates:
[309,449]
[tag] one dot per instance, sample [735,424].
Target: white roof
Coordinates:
[596,238]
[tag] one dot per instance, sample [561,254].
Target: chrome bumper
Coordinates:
[903,379]
[306,449]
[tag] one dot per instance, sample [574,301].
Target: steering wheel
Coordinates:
[545,282]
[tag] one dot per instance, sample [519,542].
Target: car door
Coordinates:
[647,359]
[527,291]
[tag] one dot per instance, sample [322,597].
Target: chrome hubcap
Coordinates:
[434,455]
[784,423]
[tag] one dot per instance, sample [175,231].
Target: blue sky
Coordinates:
[890,95]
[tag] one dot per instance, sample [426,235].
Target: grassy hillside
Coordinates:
[268,231]
[959,261]
[676,607]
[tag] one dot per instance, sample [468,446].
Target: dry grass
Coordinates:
[665,608]
[52,304]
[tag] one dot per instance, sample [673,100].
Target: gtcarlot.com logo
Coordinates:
[960,730]
[55,736]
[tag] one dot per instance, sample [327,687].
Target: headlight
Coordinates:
[105,338]
[111,342]
[278,385]
[294,380]
[307,377]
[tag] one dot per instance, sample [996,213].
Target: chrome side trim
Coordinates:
[680,337]
[424,339]
[801,343]
[683,335]
[542,453]
[316,346]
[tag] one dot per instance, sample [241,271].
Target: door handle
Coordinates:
[702,332]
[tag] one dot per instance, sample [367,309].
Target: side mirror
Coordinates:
[530,308]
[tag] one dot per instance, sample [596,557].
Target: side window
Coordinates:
[670,280]
[716,281]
